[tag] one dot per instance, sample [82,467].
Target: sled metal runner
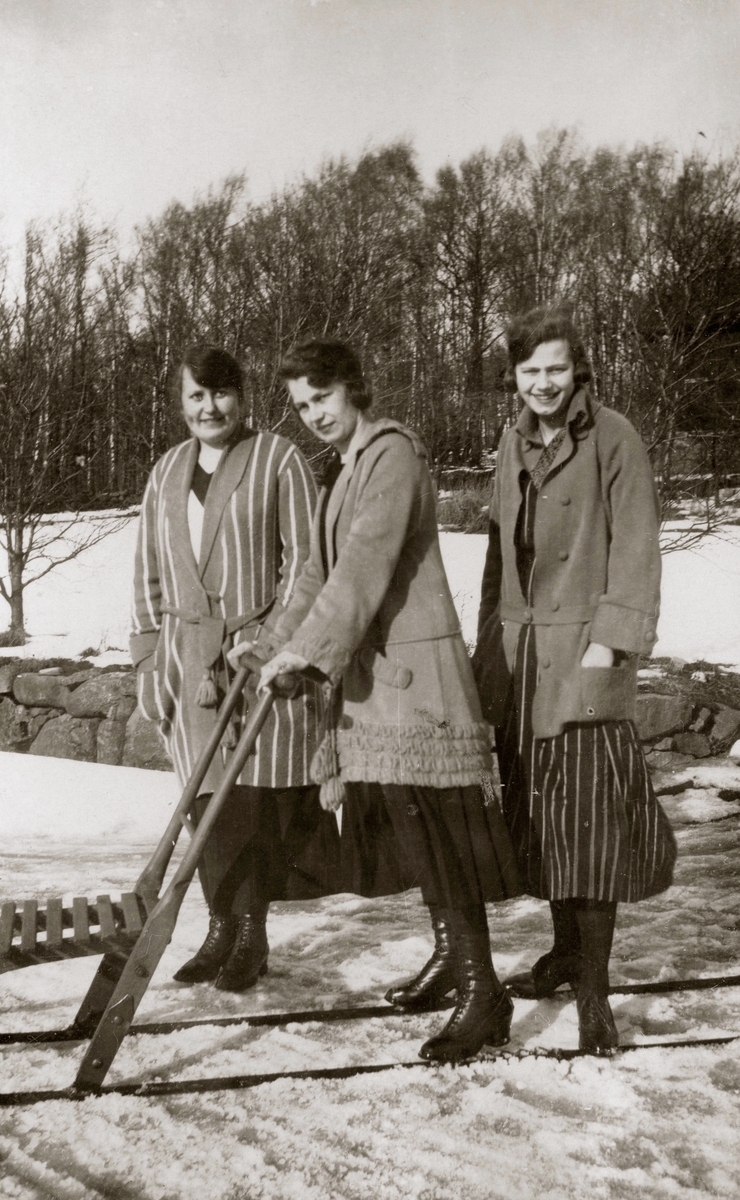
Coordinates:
[363,1012]
[189,1087]
[132,934]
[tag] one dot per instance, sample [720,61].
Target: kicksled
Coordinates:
[131,933]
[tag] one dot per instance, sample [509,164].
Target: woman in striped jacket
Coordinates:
[570,598]
[225,530]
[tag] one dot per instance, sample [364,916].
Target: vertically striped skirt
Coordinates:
[580,807]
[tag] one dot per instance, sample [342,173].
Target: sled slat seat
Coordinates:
[33,932]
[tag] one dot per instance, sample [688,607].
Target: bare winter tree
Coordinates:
[52,345]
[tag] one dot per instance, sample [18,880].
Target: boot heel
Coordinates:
[263,968]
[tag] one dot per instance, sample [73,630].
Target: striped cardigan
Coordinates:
[256,533]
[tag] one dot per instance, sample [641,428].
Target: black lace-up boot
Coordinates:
[597,1033]
[214,952]
[482,1015]
[248,959]
[437,977]
[560,965]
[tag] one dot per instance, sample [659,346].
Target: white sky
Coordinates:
[127,104]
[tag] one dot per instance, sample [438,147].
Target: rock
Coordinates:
[677,664]
[13,726]
[664,744]
[734,752]
[38,720]
[111,737]
[94,697]
[143,747]
[658,716]
[122,709]
[40,690]
[696,744]
[50,671]
[78,677]
[7,678]
[666,760]
[726,727]
[699,725]
[67,737]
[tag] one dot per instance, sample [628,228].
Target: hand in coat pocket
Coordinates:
[597,655]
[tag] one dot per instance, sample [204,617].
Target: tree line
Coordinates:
[420,278]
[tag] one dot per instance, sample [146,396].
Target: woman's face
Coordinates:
[326,411]
[211,414]
[545,381]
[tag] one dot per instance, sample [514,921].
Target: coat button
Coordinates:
[565,500]
[554,606]
[563,555]
[528,615]
[544,663]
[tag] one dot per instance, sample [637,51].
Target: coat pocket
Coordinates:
[147,692]
[608,693]
[393,674]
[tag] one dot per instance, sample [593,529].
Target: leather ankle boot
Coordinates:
[484,1009]
[436,978]
[545,977]
[248,959]
[597,1033]
[217,947]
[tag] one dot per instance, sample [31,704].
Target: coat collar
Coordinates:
[373,431]
[226,478]
[581,416]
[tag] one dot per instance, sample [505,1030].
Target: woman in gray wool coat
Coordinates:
[570,598]
[372,611]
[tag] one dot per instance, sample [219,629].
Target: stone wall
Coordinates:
[676,728]
[91,715]
[87,714]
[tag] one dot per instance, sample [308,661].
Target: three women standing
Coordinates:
[570,598]
[224,534]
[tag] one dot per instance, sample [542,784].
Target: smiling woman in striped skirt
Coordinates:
[570,598]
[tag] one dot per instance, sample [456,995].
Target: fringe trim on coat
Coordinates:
[423,755]
[325,762]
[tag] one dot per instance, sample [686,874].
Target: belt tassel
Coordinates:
[207,695]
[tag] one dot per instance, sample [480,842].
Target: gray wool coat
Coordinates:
[380,619]
[597,572]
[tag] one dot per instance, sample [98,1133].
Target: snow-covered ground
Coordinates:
[653,1123]
[84,604]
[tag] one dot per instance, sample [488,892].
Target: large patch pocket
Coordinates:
[608,693]
[393,674]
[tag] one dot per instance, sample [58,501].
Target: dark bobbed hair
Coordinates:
[212,367]
[324,361]
[549,323]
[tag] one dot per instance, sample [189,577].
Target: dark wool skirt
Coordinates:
[456,843]
[580,807]
[269,844]
[279,844]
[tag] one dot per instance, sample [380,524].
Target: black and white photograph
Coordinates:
[369,600]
